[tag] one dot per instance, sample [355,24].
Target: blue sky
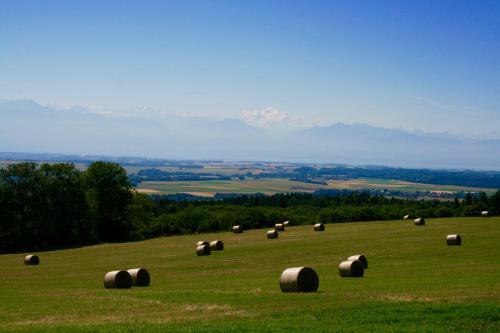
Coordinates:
[420,65]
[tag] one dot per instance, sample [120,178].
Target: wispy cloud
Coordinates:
[434,103]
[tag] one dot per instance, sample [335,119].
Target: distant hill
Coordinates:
[26,126]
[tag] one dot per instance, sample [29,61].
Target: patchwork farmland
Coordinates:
[209,188]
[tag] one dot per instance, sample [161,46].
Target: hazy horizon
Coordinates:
[388,83]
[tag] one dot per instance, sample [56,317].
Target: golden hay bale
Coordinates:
[299,279]
[319,227]
[361,258]
[406,217]
[31,259]
[485,213]
[202,243]
[351,268]
[286,223]
[140,277]
[453,240]
[279,227]
[216,245]
[237,229]
[117,279]
[272,234]
[420,221]
[203,250]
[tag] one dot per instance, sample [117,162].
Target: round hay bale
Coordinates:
[272,234]
[31,259]
[361,258]
[286,223]
[420,221]
[299,279]
[279,227]
[453,240]
[140,277]
[485,213]
[203,250]
[351,268]
[406,217]
[319,227]
[237,229]
[117,279]
[216,245]
[202,243]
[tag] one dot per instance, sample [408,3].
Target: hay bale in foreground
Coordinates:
[361,258]
[319,227]
[299,279]
[237,229]
[351,268]
[453,240]
[140,277]
[117,279]
[485,213]
[272,234]
[202,243]
[406,217]
[31,259]
[203,250]
[279,227]
[286,223]
[420,221]
[216,245]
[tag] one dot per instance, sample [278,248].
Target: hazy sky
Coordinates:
[427,65]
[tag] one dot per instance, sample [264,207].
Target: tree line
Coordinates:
[51,206]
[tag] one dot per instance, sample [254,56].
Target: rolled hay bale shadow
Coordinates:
[453,240]
[31,259]
[361,258]
[203,250]
[299,279]
[216,245]
[286,223]
[117,279]
[351,268]
[237,229]
[319,227]
[279,227]
[406,217]
[202,243]
[420,221]
[140,277]
[272,234]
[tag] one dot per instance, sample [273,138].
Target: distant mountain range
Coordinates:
[26,126]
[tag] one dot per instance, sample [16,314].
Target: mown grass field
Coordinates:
[277,185]
[414,283]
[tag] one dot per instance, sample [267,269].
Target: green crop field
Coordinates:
[414,283]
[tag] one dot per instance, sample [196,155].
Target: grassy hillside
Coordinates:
[415,283]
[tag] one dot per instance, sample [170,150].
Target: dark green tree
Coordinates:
[66,208]
[495,202]
[26,187]
[9,234]
[140,217]
[108,193]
